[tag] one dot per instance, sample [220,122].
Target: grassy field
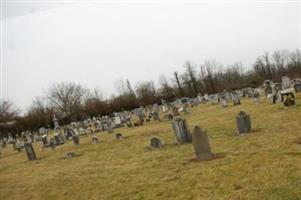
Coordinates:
[265,164]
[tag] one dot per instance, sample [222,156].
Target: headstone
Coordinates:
[94,140]
[69,155]
[110,126]
[224,102]
[243,123]
[31,155]
[286,82]
[156,116]
[297,87]
[75,139]
[256,97]
[156,143]
[288,99]
[180,130]
[119,136]
[201,144]
[44,140]
[235,99]
[52,144]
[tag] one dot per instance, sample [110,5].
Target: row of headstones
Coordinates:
[199,137]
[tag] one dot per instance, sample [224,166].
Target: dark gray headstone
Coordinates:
[297,87]
[31,155]
[44,140]
[180,130]
[156,143]
[243,123]
[119,136]
[75,139]
[201,144]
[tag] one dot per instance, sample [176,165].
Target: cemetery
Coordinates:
[205,148]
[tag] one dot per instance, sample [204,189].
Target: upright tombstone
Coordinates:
[156,116]
[44,140]
[235,99]
[156,143]
[75,139]
[201,144]
[286,82]
[243,123]
[224,102]
[297,87]
[31,155]
[256,97]
[180,130]
[288,98]
[110,126]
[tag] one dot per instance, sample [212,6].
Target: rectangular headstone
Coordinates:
[201,144]
[30,151]
[180,130]
[243,123]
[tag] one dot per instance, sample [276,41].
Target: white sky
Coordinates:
[96,43]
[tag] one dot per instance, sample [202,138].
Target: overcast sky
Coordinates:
[96,43]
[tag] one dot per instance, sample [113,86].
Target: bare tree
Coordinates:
[192,81]
[7,111]
[67,98]
[177,80]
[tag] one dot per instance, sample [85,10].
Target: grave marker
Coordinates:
[180,130]
[201,144]
[31,155]
[243,123]
[156,143]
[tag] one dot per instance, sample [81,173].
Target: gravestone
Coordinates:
[44,140]
[156,143]
[286,82]
[288,99]
[94,140]
[31,155]
[69,155]
[119,136]
[75,139]
[243,123]
[110,126]
[180,130]
[201,144]
[156,116]
[52,144]
[224,102]
[235,99]
[256,97]
[297,87]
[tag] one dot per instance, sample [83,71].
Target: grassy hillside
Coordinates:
[265,164]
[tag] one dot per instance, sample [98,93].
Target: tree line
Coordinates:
[71,101]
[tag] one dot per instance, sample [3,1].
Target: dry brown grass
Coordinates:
[263,165]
